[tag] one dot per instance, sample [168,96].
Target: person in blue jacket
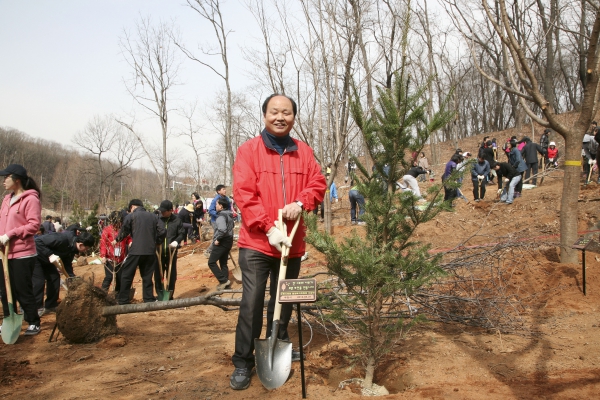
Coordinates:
[479,176]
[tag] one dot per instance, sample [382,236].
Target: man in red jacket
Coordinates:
[271,172]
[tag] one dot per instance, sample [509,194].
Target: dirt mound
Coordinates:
[79,316]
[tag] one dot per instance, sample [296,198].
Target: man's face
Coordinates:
[166,214]
[279,118]
[219,207]
[222,191]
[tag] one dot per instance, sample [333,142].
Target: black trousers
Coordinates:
[533,169]
[450,194]
[189,229]
[109,269]
[256,268]
[158,284]
[220,253]
[478,189]
[147,264]
[45,274]
[21,273]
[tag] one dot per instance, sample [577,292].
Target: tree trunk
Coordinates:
[369,372]
[568,204]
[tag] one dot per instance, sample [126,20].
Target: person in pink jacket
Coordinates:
[20,218]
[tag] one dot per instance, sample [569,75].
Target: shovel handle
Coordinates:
[285,251]
[6,275]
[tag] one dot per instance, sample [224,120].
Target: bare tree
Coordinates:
[151,55]
[210,10]
[103,137]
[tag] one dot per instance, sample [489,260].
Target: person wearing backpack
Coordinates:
[529,153]
[590,149]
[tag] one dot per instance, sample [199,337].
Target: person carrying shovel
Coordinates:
[20,218]
[271,172]
[175,234]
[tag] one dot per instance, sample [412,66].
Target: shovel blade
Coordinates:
[273,361]
[165,295]
[11,326]
[237,274]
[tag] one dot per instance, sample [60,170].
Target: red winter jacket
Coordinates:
[552,153]
[106,247]
[20,222]
[264,182]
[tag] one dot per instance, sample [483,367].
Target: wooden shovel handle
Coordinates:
[6,275]
[285,251]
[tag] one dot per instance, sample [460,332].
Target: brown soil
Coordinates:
[185,353]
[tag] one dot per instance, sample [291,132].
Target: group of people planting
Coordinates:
[522,164]
[275,178]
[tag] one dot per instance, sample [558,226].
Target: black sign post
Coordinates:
[299,291]
[584,244]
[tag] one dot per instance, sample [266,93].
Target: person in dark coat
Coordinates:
[186,215]
[479,176]
[175,235]
[222,243]
[505,170]
[487,153]
[198,218]
[48,225]
[515,159]
[146,231]
[65,245]
[529,153]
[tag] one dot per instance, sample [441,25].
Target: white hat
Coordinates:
[466,154]
[552,144]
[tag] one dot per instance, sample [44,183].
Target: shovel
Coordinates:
[479,188]
[237,271]
[273,355]
[165,295]
[11,325]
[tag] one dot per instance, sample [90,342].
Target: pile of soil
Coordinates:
[79,316]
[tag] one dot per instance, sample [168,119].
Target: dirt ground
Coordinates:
[185,353]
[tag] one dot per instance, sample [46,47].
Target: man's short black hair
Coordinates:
[219,187]
[86,239]
[223,202]
[266,103]
[48,217]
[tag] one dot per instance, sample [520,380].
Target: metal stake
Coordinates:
[583,270]
[302,350]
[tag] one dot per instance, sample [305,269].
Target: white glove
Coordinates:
[480,177]
[4,239]
[173,244]
[499,191]
[506,180]
[53,258]
[89,228]
[336,200]
[277,238]
[592,162]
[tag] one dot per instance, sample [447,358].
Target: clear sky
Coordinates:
[61,61]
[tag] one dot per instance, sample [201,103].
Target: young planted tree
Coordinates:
[380,270]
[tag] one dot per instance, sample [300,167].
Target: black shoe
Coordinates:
[240,379]
[32,330]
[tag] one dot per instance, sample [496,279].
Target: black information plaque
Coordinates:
[298,290]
